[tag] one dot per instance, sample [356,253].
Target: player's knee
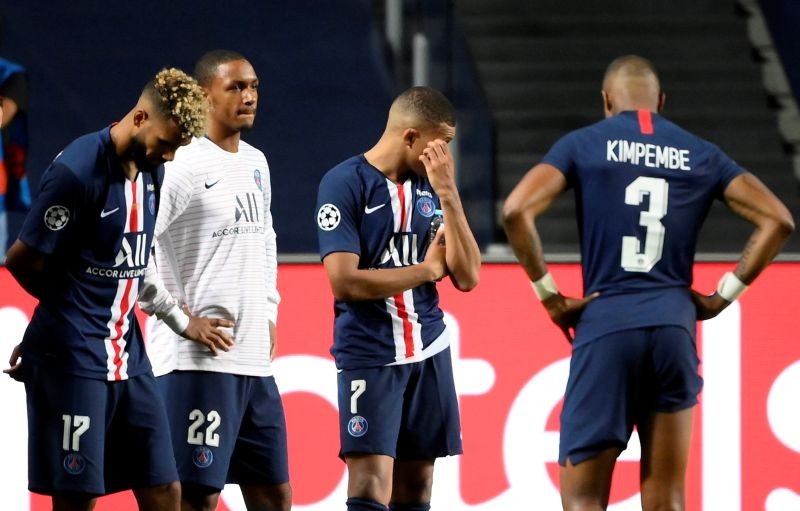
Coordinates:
[276,497]
[369,485]
[416,488]
[663,499]
[582,503]
[198,497]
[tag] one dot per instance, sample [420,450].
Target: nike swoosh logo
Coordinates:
[105,213]
[209,185]
[369,210]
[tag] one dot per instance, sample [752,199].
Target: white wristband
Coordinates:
[730,287]
[545,287]
[176,319]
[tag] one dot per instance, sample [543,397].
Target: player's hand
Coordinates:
[565,311]
[207,331]
[15,371]
[273,340]
[439,166]
[435,258]
[708,306]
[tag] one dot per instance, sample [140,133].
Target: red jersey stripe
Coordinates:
[645,122]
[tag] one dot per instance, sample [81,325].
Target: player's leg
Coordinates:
[370,411]
[665,441]
[138,446]
[260,461]
[431,400]
[163,497]
[411,485]
[666,428]
[600,404]
[204,411]
[73,502]
[587,485]
[66,437]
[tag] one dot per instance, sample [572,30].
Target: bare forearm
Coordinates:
[761,249]
[463,255]
[526,243]
[360,285]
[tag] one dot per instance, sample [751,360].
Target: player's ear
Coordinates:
[662,98]
[608,108]
[139,117]
[410,135]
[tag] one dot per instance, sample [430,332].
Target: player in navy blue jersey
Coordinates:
[383,218]
[96,422]
[643,187]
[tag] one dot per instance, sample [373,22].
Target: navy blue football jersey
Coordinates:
[387,225]
[643,187]
[97,227]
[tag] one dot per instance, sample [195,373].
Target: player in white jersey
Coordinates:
[216,257]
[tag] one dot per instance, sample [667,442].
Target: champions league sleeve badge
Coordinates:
[357,426]
[56,217]
[328,217]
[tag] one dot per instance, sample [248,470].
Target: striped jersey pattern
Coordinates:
[215,252]
[386,224]
[97,227]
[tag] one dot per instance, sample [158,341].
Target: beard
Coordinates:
[139,156]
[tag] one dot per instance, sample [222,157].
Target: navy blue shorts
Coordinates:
[95,436]
[619,380]
[226,428]
[409,411]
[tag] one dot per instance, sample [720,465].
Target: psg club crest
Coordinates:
[257,179]
[151,204]
[426,206]
[74,463]
[202,457]
[357,426]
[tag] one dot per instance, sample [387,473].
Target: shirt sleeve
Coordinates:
[338,205]
[273,297]
[727,169]
[154,297]
[52,222]
[562,157]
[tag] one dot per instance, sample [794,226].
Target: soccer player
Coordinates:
[644,187]
[216,255]
[96,422]
[382,245]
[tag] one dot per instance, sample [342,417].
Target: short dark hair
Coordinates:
[632,65]
[206,67]
[428,104]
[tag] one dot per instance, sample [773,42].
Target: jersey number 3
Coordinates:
[636,257]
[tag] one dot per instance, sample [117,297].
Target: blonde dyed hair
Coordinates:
[178,96]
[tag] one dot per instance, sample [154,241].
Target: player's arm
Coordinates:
[349,283]
[155,299]
[29,267]
[529,199]
[462,254]
[749,198]
[271,248]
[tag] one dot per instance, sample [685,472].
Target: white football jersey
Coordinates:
[215,252]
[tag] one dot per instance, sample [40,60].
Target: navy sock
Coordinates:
[354,504]
[425,506]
